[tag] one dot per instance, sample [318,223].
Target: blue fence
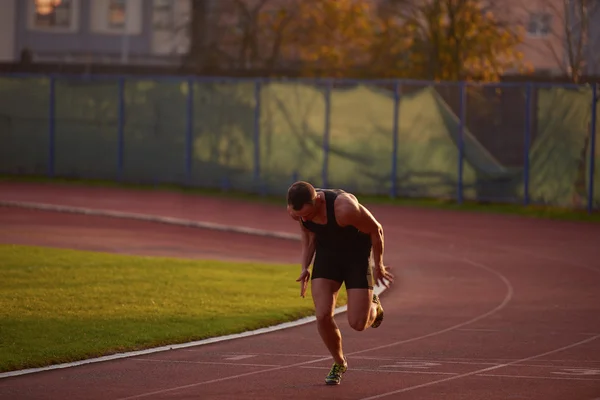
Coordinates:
[528,143]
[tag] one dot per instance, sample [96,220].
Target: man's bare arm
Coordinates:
[349,211]
[308,252]
[308,247]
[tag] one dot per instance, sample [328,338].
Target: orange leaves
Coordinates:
[433,39]
[336,35]
[469,42]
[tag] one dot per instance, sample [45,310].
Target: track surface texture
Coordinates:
[484,307]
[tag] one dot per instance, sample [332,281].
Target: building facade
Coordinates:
[546,44]
[99,31]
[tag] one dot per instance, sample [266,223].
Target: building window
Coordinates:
[116,13]
[53,13]
[539,24]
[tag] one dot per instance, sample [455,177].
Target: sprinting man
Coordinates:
[340,233]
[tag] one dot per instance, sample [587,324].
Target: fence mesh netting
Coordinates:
[260,140]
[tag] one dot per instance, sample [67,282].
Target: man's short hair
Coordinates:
[301,193]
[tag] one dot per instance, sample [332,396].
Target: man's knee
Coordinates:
[357,322]
[324,317]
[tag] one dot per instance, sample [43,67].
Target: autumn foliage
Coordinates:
[460,39]
[431,39]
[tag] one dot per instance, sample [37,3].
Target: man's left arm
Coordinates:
[351,212]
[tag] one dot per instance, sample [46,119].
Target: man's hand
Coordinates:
[303,279]
[380,274]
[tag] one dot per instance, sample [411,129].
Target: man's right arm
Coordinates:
[308,247]
[308,252]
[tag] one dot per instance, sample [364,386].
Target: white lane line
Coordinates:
[495,360]
[479,371]
[175,221]
[412,360]
[492,244]
[539,377]
[268,354]
[240,357]
[111,357]
[249,231]
[483,361]
[150,218]
[204,362]
[169,221]
[507,298]
[226,378]
[389,370]
[576,366]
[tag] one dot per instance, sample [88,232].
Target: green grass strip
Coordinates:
[531,211]
[64,305]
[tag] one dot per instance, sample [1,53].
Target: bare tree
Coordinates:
[570,43]
[576,18]
[198,30]
[247,15]
[276,28]
[240,34]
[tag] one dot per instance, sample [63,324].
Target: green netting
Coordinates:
[291,130]
[24,111]
[361,139]
[558,162]
[291,136]
[224,135]
[494,139]
[154,131]
[86,128]
[427,150]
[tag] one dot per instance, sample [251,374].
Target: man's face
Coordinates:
[307,212]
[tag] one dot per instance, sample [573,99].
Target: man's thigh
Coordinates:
[358,278]
[324,294]
[360,302]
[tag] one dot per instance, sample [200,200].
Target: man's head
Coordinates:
[302,200]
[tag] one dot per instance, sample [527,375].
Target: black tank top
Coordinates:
[332,238]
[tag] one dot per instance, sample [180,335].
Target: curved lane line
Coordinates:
[168,221]
[150,218]
[507,298]
[226,228]
[505,301]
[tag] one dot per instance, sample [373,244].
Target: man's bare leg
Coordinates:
[361,309]
[324,293]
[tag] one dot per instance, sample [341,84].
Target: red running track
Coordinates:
[487,307]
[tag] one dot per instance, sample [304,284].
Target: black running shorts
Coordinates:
[353,270]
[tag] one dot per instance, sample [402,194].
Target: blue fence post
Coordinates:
[257,106]
[121,129]
[397,89]
[527,142]
[189,131]
[461,140]
[325,180]
[51,126]
[590,200]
